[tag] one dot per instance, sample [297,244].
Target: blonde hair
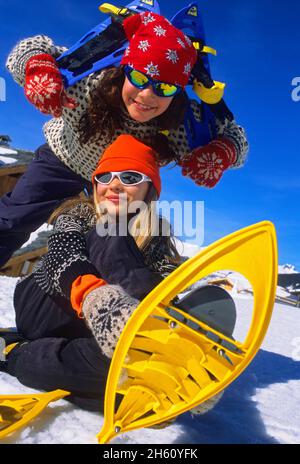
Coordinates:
[144,226]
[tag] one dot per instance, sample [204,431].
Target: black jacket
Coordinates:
[118,260]
[76,249]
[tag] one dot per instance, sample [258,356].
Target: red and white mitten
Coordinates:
[207,164]
[44,85]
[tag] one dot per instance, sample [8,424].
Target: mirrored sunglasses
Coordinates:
[141,81]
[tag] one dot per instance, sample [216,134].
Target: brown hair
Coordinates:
[104,112]
[69,204]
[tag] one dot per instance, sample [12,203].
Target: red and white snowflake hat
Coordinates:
[158,49]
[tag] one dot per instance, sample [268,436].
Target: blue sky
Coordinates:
[258,57]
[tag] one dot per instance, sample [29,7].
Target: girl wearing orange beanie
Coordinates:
[104,276]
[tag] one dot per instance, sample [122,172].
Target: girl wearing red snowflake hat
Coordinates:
[142,97]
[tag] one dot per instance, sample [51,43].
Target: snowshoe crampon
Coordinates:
[167,361]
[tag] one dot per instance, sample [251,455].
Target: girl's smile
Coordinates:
[140,106]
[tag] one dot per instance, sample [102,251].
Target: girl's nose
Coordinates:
[116,184]
[148,92]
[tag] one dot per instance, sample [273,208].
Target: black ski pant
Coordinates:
[42,188]
[61,351]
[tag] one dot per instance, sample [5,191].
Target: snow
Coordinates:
[261,406]
[7,151]
[186,248]
[34,235]
[287,269]
[282,292]
[7,160]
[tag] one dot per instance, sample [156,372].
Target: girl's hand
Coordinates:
[44,86]
[207,164]
[106,310]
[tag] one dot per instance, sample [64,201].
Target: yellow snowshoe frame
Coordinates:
[167,362]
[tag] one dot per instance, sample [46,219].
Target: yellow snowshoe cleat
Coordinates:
[17,410]
[166,361]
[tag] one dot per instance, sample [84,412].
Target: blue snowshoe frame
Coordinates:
[189,21]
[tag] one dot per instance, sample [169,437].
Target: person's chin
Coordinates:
[140,116]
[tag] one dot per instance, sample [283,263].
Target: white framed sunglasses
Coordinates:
[125,177]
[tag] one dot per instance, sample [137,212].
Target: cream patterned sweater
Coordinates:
[62,133]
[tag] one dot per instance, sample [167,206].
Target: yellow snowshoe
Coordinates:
[167,361]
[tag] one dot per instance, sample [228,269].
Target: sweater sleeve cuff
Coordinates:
[77,268]
[81,287]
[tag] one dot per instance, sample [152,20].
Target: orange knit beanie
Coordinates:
[127,153]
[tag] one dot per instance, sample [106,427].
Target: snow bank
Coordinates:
[287,269]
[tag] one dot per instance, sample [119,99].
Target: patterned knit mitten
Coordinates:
[106,310]
[44,85]
[207,164]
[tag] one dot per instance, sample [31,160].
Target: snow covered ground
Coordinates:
[261,406]
[7,159]
[7,151]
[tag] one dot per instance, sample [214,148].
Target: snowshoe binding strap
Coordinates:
[118,13]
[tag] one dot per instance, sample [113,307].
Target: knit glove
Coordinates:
[106,311]
[44,86]
[207,164]
[81,287]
